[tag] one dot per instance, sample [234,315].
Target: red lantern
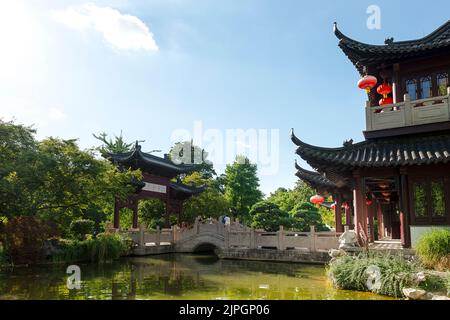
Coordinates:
[333,205]
[385,101]
[384,89]
[317,200]
[369,202]
[345,205]
[367,83]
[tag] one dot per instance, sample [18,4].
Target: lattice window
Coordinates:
[425,87]
[411,88]
[442,83]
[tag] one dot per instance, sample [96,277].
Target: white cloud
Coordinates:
[56,114]
[123,31]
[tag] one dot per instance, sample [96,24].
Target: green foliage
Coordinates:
[81,227]
[103,248]
[151,213]
[23,239]
[118,145]
[433,248]
[305,215]
[242,187]
[350,273]
[54,180]
[268,216]
[188,153]
[210,203]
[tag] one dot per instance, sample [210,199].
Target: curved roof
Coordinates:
[147,162]
[362,54]
[181,191]
[314,179]
[389,152]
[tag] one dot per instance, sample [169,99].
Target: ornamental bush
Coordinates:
[81,227]
[353,272]
[23,239]
[433,249]
[103,248]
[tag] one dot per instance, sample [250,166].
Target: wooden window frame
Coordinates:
[417,76]
[430,218]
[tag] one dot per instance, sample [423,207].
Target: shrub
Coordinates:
[104,248]
[23,238]
[396,273]
[81,227]
[433,248]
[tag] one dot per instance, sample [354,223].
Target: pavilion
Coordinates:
[399,176]
[157,183]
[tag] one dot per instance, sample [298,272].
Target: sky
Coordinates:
[157,69]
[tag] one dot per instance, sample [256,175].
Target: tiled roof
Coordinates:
[362,54]
[137,159]
[313,178]
[387,152]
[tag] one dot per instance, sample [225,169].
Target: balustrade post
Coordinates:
[407,110]
[368,116]
[252,238]
[227,237]
[158,236]
[281,239]
[141,236]
[312,234]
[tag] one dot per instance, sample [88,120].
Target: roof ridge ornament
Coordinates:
[348,143]
[389,41]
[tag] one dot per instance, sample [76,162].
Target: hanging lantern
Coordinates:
[317,200]
[385,101]
[345,205]
[367,83]
[384,89]
[369,202]
[333,205]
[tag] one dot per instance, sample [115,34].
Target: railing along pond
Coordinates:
[237,235]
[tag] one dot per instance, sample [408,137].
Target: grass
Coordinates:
[351,273]
[104,248]
[433,248]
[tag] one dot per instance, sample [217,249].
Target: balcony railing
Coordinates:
[409,113]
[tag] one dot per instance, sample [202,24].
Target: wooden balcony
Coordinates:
[409,113]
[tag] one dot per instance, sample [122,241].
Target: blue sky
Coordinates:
[148,68]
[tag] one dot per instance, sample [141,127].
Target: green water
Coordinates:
[175,277]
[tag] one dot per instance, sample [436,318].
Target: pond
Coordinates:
[176,276]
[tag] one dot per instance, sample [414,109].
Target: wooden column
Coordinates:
[167,214]
[380,221]
[135,212]
[371,214]
[348,216]
[116,221]
[404,209]
[338,214]
[359,203]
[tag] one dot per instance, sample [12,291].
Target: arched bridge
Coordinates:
[216,236]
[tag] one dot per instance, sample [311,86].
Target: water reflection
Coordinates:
[175,277]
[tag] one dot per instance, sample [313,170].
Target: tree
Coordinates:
[305,215]
[151,213]
[242,187]
[210,203]
[187,153]
[54,180]
[118,145]
[268,216]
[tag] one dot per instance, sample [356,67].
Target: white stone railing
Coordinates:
[408,113]
[283,240]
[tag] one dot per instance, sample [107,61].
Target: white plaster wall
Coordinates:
[417,231]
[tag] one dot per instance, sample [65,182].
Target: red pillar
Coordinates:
[338,215]
[404,209]
[359,201]
[371,215]
[135,213]
[167,214]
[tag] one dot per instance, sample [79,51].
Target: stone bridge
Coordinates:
[219,238]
